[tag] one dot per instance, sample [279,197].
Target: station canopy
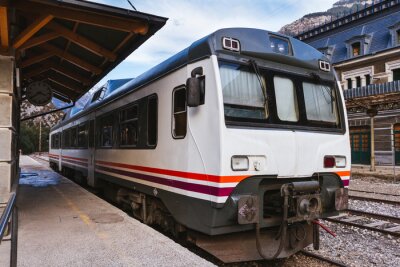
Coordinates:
[71,44]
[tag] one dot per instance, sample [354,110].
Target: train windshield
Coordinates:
[267,97]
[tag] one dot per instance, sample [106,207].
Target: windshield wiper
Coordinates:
[263,87]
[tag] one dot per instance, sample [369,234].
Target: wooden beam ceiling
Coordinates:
[65,84]
[33,28]
[72,59]
[39,40]
[4,34]
[82,41]
[104,21]
[70,74]
[36,59]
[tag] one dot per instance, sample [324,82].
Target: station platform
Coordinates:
[62,224]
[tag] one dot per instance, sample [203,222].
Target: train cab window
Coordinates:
[99,94]
[128,127]
[106,131]
[179,120]
[152,114]
[82,136]
[286,99]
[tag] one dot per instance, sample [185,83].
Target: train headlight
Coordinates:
[240,163]
[340,161]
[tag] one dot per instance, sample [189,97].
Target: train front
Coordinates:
[285,140]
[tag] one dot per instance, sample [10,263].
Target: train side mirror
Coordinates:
[195,88]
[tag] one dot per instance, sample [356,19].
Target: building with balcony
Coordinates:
[364,48]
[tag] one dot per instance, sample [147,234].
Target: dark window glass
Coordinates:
[179,120]
[66,138]
[74,137]
[106,131]
[367,79]
[349,84]
[358,81]
[129,126]
[91,134]
[398,36]
[356,49]
[82,135]
[152,114]
[396,75]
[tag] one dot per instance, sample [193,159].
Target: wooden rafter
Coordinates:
[35,72]
[65,84]
[70,74]
[4,38]
[39,40]
[33,28]
[87,17]
[72,59]
[36,59]
[82,41]
[64,90]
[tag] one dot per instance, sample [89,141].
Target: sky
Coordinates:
[190,20]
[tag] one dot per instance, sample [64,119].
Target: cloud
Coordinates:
[191,20]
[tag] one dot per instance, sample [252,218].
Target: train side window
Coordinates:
[128,129]
[152,114]
[66,138]
[91,134]
[286,99]
[82,135]
[74,137]
[106,131]
[179,119]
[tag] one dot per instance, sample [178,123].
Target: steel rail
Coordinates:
[321,258]
[379,200]
[378,216]
[379,193]
[365,226]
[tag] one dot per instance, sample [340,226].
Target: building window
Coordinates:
[152,120]
[367,79]
[358,81]
[349,84]
[179,120]
[396,75]
[128,129]
[356,49]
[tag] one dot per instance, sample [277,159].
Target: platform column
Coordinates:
[9,118]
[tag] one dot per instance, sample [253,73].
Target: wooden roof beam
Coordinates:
[87,17]
[64,84]
[4,38]
[35,72]
[72,59]
[36,59]
[70,74]
[33,28]
[82,41]
[39,40]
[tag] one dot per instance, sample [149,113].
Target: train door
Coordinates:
[360,139]
[396,132]
[91,162]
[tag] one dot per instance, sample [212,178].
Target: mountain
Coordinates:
[49,120]
[309,21]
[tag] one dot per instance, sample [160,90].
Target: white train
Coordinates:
[238,139]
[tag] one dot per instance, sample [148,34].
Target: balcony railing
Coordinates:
[372,90]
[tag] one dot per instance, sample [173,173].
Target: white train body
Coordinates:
[200,171]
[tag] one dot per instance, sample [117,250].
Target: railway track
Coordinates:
[370,221]
[376,198]
[324,259]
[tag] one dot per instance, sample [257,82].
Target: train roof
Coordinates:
[253,43]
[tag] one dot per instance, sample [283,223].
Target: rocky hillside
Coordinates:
[312,20]
[27,109]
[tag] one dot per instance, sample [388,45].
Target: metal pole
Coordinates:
[372,145]
[40,136]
